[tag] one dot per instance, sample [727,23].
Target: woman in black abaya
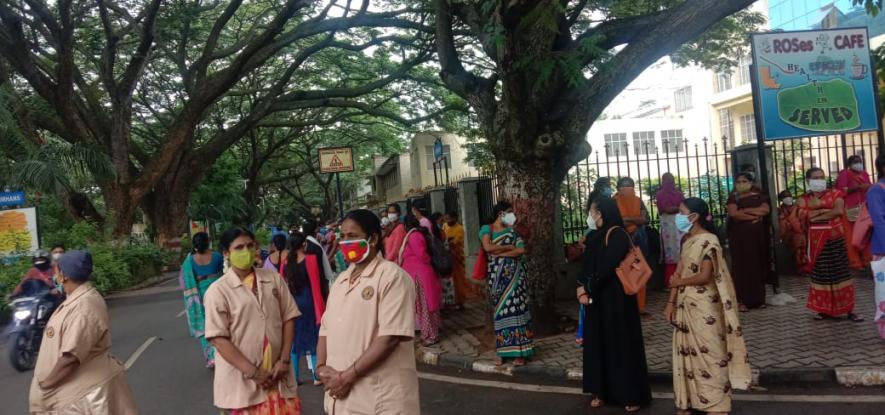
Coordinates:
[615,370]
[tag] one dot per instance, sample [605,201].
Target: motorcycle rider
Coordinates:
[38,276]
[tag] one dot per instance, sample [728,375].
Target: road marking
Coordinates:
[139,351]
[181,313]
[656,395]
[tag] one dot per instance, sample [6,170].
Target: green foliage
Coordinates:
[80,235]
[873,7]
[720,46]
[219,198]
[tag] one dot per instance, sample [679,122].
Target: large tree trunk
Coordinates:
[121,209]
[167,205]
[534,192]
[80,207]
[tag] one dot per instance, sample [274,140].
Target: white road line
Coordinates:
[657,395]
[139,351]
[181,313]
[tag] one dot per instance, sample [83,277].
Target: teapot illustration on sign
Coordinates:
[858,70]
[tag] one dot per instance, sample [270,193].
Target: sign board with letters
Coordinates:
[12,198]
[336,160]
[815,82]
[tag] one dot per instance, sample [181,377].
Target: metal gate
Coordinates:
[450,199]
[486,197]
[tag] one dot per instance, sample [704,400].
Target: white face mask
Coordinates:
[788,201]
[591,223]
[509,219]
[55,257]
[858,167]
[393,217]
[817,185]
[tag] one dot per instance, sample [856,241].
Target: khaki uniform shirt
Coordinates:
[233,311]
[80,326]
[381,302]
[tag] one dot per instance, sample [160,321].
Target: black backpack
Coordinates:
[440,257]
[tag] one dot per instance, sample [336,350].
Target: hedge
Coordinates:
[114,267]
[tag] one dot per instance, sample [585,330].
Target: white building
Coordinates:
[399,175]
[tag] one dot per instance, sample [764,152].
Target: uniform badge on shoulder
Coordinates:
[50,332]
[368,292]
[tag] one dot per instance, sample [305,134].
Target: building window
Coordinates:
[682,96]
[743,70]
[723,82]
[748,128]
[447,153]
[726,127]
[615,144]
[672,141]
[644,143]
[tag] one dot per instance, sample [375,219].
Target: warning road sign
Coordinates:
[336,160]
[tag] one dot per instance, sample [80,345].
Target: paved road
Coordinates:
[168,378]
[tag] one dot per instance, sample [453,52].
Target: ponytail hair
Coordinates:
[697,205]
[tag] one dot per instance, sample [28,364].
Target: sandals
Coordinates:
[632,408]
[597,403]
[855,318]
[821,317]
[518,362]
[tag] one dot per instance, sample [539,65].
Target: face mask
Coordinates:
[55,257]
[742,187]
[242,259]
[355,251]
[817,185]
[788,201]
[607,192]
[858,167]
[591,223]
[509,219]
[392,217]
[682,223]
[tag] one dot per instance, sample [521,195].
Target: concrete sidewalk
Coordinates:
[784,342]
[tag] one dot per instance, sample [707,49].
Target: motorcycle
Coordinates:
[31,312]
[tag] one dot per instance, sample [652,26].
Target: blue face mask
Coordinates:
[682,223]
[608,192]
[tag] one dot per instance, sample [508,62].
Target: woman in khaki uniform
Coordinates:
[366,355]
[75,373]
[250,319]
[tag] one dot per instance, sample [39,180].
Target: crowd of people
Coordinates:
[353,298]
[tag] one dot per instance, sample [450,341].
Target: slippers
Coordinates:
[597,403]
[820,317]
[855,318]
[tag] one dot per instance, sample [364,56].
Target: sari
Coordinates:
[793,233]
[508,296]
[750,250]
[194,280]
[832,288]
[275,404]
[464,291]
[854,202]
[709,354]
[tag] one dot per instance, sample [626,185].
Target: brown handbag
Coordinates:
[634,271]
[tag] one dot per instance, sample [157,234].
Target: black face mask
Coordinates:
[44,266]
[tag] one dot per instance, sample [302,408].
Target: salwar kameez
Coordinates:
[508,296]
[709,355]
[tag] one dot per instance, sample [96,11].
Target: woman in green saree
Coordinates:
[199,270]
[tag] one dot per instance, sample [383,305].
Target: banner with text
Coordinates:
[814,82]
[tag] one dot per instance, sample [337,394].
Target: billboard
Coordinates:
[18,231]
[336,160]
[815,82]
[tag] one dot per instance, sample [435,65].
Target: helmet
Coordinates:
[41,257]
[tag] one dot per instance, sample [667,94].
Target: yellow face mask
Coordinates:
[242,259]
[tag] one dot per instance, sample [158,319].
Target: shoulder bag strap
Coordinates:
[402,248]
[608,234]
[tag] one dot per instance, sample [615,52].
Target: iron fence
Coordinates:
[701,168]
[705,169]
